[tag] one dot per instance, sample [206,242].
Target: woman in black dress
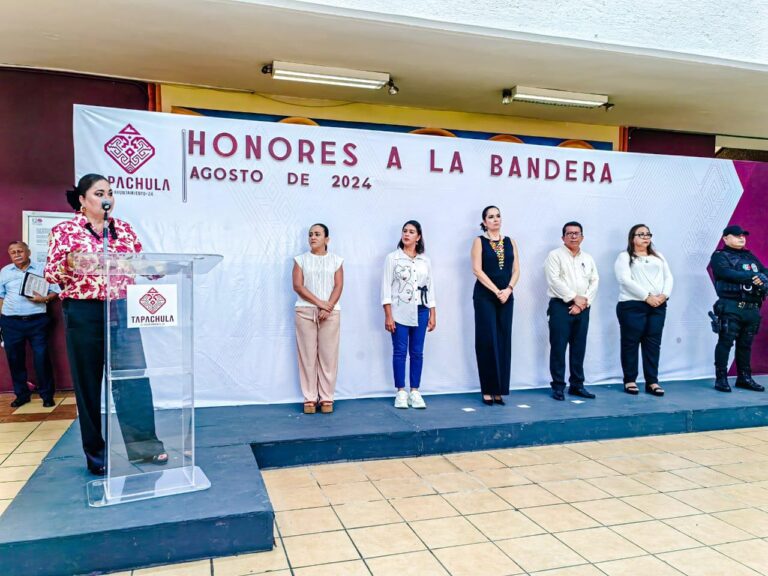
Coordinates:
[495,265]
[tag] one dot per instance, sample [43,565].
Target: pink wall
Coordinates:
[647,141]
[36,158]
[752,213]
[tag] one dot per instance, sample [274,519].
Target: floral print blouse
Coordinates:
[77,236]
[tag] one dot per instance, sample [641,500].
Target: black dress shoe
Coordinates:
[19,402]
[499,400]
[48,403]
[583,392]
[488,401]
[97,470]
[558,395]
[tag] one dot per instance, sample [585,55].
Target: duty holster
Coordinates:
[716,316]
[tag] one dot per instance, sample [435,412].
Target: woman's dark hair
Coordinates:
[323,226]
[420,242]
[631,243]
[73,195]
[483,227]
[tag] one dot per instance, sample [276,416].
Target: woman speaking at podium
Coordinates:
[83,296]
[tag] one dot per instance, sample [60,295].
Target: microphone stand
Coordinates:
[107,347]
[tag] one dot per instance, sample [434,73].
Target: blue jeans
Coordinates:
[409,340]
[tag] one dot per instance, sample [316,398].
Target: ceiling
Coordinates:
[224,43]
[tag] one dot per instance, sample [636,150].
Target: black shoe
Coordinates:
[499,400]
[48,403]
[558,395]
[583,392]
[721,381]
[488,401]
[744,380]
[656,390]
[160,459]
[631,388]
[97,470]
[19,402]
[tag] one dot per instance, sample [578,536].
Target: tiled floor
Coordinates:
[693,504]
[26,435]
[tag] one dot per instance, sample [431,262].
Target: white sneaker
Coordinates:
[401,399]
[415,400]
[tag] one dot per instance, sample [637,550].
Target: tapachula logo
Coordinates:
[152,301]
[129,149]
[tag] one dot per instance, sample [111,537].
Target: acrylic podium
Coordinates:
[149,389]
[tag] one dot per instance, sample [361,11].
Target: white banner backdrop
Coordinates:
[250,191]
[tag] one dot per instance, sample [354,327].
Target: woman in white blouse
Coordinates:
[645,284]
[408,298]
[318,279]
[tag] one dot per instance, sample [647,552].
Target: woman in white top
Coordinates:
[408,298]
[645,284]
[318,279]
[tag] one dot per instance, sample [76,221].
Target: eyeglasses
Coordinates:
[644,235]
[573,234]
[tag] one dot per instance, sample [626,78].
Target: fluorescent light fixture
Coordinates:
[558,97]
[326,75]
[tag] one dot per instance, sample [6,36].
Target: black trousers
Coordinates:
[84,327]
[641,326]
[566,331]
[738,325]
[17,331]
[493,342]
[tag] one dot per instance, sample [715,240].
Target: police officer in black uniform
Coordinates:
[741,284]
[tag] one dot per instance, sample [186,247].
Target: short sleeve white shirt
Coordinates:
[318,271]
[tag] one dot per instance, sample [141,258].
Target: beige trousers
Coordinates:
[318,346]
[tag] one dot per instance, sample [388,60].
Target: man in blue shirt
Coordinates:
[24,319]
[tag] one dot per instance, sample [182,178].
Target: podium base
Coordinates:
[124,489]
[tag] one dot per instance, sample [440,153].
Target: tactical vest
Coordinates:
[746,292]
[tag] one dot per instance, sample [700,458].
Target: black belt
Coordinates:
[742,305]
[28,317]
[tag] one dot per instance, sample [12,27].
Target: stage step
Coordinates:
[373,428]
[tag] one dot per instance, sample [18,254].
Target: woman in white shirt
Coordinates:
[645,284]
[408,298]
[318,279]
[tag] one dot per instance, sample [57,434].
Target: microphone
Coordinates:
[106,205]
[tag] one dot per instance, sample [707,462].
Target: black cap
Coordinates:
[735,229]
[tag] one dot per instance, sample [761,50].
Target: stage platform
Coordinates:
[49,529]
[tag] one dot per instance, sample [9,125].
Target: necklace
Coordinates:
[498,247]
[110,227]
